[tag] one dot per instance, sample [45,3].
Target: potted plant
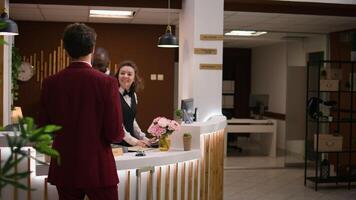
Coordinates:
[39,138]
[187,141]
[179,115]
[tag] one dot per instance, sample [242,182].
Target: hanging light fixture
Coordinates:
[7,25]
[168,40]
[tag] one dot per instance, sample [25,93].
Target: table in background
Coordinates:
[264,126]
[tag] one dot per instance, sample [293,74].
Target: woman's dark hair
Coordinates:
[138,83]
[79,40]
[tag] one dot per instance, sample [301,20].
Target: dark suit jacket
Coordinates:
[85,103]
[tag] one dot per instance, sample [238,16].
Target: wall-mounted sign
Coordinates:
[211,37]
[211,66]
[205,51]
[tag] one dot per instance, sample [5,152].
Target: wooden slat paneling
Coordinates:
[167,187]
[196,175]
[175,182]
[207,166]
[190,180]
[149,186]
[158,188]
[45,189]
[182,187]
[15,171]
[212,165]
[128,185]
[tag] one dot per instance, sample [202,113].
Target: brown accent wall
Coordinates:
[115,3]
[123,41]
[237,67]
[309,8]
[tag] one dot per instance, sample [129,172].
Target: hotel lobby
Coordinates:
[240,74]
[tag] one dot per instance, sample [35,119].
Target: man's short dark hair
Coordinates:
[101,59]
[79,40]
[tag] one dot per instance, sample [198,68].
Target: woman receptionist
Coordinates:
[130,82]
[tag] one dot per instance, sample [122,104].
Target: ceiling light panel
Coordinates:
[111,13]
[245,33]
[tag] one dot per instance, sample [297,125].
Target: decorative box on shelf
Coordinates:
[333,74]
[329,85]
[328,142]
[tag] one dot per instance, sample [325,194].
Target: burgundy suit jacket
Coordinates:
[85,102]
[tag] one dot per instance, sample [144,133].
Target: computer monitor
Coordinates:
[187,106]
[258,103]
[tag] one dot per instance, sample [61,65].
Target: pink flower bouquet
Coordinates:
[162,127]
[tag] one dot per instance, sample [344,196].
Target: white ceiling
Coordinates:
[278,25]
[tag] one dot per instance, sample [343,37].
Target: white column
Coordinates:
[7,80]
[6,63]
[205,86]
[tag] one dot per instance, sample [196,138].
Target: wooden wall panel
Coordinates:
[312,8]
[237,67]
[112,3]
[123,41]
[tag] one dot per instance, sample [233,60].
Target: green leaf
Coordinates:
[29,123]
[15,183]
[11,163]
[48,151]
[51,128]
[3,42]
[45,138]
[19,175]
[35,134]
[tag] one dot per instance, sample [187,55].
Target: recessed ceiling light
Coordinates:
[112,13]
[245,33]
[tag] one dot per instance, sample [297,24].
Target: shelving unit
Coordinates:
[343,123]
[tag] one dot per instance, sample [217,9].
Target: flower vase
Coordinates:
[164,143]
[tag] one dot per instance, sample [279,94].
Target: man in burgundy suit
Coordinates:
[85,102]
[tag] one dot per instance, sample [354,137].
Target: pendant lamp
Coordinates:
[168,40]
[7,26]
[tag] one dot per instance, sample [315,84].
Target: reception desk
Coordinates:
[176,174]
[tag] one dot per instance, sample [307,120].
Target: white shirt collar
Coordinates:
[121,90]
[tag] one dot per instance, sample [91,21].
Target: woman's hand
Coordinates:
[142,143]
[153,140]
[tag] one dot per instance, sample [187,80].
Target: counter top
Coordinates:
[155,158]
[152,158]
[197,129]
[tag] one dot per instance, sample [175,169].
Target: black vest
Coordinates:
[129,114]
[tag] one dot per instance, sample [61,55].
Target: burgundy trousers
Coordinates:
[104,193]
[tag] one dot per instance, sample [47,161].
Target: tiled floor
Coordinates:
[279,184]
[253,162]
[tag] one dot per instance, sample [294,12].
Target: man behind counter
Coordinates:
[85,103]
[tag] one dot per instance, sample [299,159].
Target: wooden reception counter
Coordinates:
[176,174]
